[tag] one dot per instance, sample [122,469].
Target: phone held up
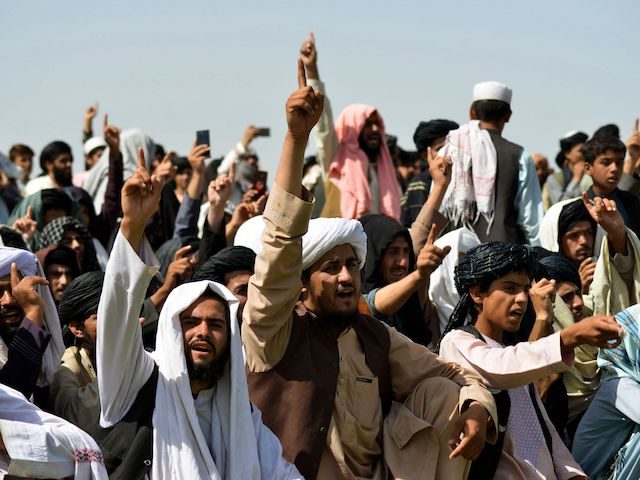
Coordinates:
[263,132]
[202,138]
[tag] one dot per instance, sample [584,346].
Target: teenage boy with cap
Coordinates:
[487,167]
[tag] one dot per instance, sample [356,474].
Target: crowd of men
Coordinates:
[458,311]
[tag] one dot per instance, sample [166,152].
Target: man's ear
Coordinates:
[472,114]
[77,328]
[476,295]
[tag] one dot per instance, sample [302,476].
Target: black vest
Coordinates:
[505,226]
[127,446]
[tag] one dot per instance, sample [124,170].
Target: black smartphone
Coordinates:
[202,138]
[260,181]
[263,132]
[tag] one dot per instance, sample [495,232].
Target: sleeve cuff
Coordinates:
[289,212]
[39,334]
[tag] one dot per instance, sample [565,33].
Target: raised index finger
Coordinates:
[432,235]
[15,280]
[106,120]
[635,125]
[312,38]
[232,172]
[29,213]
[141,161]
[302,76]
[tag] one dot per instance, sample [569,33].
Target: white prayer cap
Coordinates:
[326,233]
[93,143]
[492,91]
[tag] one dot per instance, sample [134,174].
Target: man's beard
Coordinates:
[62,176]
[210,373]
[8,331]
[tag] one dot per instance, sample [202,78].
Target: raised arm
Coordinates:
[122,364]
[276,285]
[326,138]
[440,171]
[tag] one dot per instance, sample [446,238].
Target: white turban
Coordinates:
[250,234]
[28,264]
[326,233]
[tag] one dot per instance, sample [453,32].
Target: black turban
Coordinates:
[62,255]
[80,299]
[226,260]
[428,132]
[561,270]
[571,214]
[567,143]
[53,198]
[481,266]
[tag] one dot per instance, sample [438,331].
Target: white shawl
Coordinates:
[28,264]
[45,444]
[442,286]
[472,190]
[180,449]
[97,177]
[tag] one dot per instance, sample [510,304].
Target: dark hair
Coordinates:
[599,145]
[53,151]
[490,110]
[19,149]
[210,294]
[609,130]
[428,132]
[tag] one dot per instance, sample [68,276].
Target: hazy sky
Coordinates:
[172,68]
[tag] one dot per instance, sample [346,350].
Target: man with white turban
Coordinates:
[30,339]
[348,396]
[188,401]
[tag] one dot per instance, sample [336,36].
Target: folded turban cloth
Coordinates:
[560,269]
[250,234]
[80,299]
[484,264]
[226,260]
[429,132]
[326,233]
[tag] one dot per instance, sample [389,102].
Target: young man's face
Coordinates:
[74,240]
[183,178]
[572,297]
[333,286]
[606,171]
[59,277]
[205,332]
[505,301]
[237,281]
[394,265]
[92,157]
[87,330]
[26,163]
[577,243]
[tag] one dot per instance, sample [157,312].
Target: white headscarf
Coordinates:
[97,177]
[442,285]
[175,422]
[326,233]
[472,190]
[28,264]
[80,447]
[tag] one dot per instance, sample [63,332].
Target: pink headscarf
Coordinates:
[349,169]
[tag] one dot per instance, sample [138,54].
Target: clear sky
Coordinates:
[172,68]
